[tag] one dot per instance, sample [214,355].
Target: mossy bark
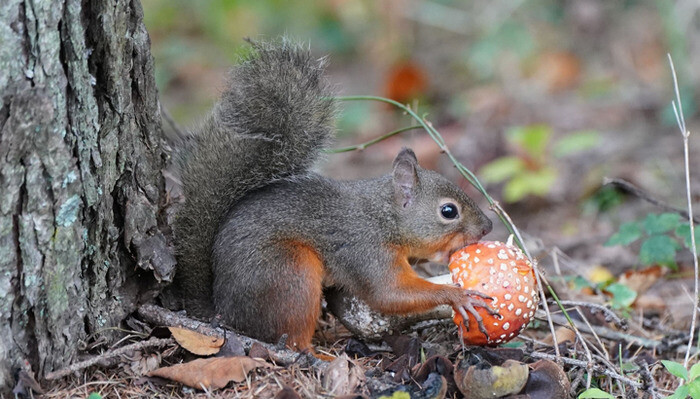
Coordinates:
[82,238]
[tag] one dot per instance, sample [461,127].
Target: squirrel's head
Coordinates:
[435,217]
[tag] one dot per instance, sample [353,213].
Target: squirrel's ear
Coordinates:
[405,177]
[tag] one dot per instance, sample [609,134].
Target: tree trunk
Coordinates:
[82,238]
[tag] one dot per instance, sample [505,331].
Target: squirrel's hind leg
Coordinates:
[301,305]
[269,292]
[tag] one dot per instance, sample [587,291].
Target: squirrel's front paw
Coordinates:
[467,305]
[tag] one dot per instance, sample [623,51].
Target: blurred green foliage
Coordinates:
[664,235]
[531,170]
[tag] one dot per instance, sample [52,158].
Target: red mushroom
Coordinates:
[504,273]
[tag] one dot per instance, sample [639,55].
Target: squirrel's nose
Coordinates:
[487,227]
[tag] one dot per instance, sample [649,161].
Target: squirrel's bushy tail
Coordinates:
[273,119]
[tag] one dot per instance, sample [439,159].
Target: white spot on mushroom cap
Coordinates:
[506,284]
[510,307]
[507,297]
[518,311]
[506,325]
[522,298]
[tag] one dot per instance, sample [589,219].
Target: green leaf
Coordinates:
[533,139]
[676,369]
[682,392]
[659,249]
[580,283]
[694,389]
[623,296]
[629,233]
[576,142]
[683,231]
[595,393]
[694,372]
[537,182]
[501,169]
[94,395]
[659,224]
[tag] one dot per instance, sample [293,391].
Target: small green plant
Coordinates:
[691,384]
[621,296]
[531,170]
[662,236]
[595,393]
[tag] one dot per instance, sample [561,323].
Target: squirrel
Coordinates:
[259,235]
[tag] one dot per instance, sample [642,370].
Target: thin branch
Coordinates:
[584,364]
[609,314]
[169,118]
[364,145]
[630,188]
[153,342]
[474,181]
[157,315]
[680,119]
[610,334]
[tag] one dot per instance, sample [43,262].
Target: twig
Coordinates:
[364,145]
[641,194]
[153,342]
[168,118]
[474,181]
[647,378]
[609,314]
[585,365]
[685,133]
[160,316]
[608,333]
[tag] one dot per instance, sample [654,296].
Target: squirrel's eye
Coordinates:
[449,211]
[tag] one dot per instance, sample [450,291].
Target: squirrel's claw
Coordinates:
[468,306]
[477,293]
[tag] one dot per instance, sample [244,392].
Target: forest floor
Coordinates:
[630,303]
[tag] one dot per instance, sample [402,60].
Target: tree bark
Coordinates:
[82,231]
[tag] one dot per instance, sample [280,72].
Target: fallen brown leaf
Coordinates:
[197,343]
[563,334]
[342,376]
[210,373]
[641,280]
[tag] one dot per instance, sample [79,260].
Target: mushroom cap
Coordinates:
[503,272]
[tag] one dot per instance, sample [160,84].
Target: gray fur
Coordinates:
[259,235]
[272,121]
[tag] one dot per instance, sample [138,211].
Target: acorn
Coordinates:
[504,273]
